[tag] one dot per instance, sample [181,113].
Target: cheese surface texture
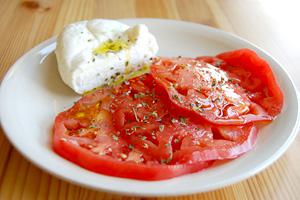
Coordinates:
[93,53]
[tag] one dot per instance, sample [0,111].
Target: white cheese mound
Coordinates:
[91,53]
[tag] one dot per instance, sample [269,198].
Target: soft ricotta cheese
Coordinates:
[92,53]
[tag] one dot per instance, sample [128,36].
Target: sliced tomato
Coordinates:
[197,88]
[139,116]
[86,135]
[166,133]
[168,123]
[81,153]
[254,74]
[231,142]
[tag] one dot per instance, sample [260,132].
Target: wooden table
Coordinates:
[271,24]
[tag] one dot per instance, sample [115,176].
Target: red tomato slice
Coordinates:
[231,142]
[86,135]
[152,128]
[161,133]
[74,151]
[255,75]
[197,88]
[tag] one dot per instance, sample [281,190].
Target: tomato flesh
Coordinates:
[255,75]
[92,134]
[216,94]
[148,128]
[101,133]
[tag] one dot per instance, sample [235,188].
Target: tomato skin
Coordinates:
[108,166]
[71,147]
[133,170]
[242,140]
[247,59]
[150,136]
[165,72]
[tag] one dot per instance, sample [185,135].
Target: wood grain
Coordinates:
[272,25]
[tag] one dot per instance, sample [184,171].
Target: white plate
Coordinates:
[32,93]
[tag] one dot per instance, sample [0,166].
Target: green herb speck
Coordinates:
[116,138]
[161,128]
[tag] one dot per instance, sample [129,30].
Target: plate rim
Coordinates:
[223,183]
